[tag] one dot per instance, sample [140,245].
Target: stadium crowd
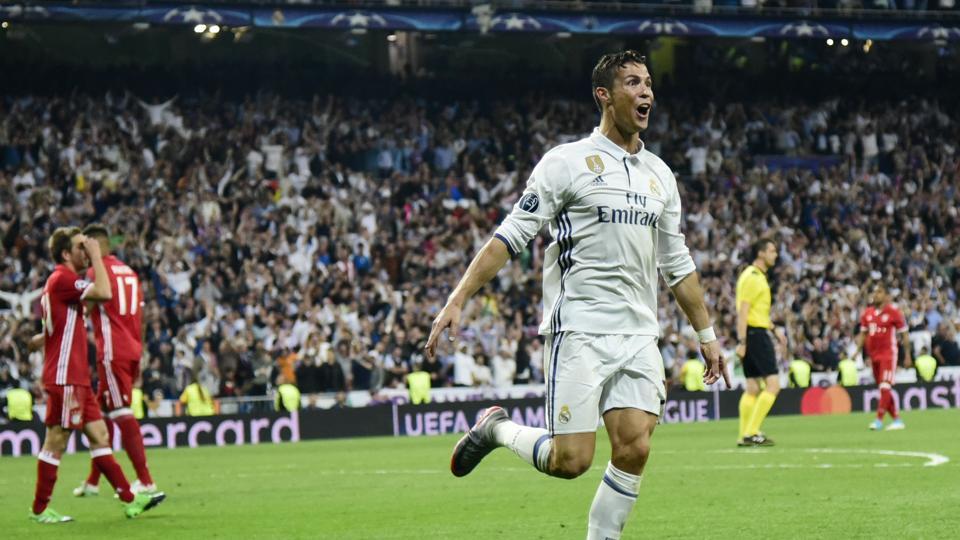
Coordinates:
[316,239]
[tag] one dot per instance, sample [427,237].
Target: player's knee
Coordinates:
[632,457]
[55,446]
[97,435]
[570,468]
[570,465]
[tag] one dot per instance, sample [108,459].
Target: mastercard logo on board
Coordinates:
[832,400]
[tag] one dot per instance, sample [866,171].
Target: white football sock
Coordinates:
[533,445]
[612,504]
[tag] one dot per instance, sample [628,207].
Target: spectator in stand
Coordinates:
[464,366]
[825,357]
[522,361]
[482,375]
[945,347]
[331,377]
[197,398]
[228,385]
[504,367]
[432,366]
[308,370]
[345,360]
[395,368]
[153,378]
[340,401]
[6,381]
[286,364]
[363,367]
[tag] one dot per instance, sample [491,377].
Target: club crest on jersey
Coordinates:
[530,202]
[564,415]
[595,164]
[653,187]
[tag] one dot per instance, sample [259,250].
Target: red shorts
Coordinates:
[71,407]
[116,385]
[884,370]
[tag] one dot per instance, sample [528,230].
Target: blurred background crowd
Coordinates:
[315,235]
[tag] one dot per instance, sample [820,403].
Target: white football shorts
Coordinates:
[590,374]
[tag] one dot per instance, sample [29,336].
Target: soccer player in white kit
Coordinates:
[613,209]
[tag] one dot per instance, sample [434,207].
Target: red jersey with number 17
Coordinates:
[65,336]
[882,326]
[116,323]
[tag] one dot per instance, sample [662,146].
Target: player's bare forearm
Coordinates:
[35,343]
[101,285]
[689,296]
[101,281]
[488,261]
[491,258]
[742,314]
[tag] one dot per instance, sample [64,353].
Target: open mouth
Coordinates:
[643,110]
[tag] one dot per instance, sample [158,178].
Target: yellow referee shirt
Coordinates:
[752,287]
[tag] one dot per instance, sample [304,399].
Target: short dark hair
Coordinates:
[760,245]
[606,69]
[97,230]
[61,240]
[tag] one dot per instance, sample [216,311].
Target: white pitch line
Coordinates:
[933,460]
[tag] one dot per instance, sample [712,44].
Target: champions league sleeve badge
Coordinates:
[529,202]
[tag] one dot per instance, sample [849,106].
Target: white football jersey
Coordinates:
[615,220]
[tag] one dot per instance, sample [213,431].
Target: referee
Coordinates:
[755,344]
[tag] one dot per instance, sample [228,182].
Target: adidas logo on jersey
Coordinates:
[598,181]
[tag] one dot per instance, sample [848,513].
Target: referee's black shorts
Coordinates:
[761,358]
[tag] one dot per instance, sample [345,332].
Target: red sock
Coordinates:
[886,398]
[94,477]
[133,444]
[47,466]
[103,459]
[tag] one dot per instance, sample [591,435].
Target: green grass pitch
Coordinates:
[828,477]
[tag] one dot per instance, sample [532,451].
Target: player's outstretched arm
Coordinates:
[488,261]
[689,295]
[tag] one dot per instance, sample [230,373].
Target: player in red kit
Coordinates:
[118,330]
[66,373]
[880,325]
